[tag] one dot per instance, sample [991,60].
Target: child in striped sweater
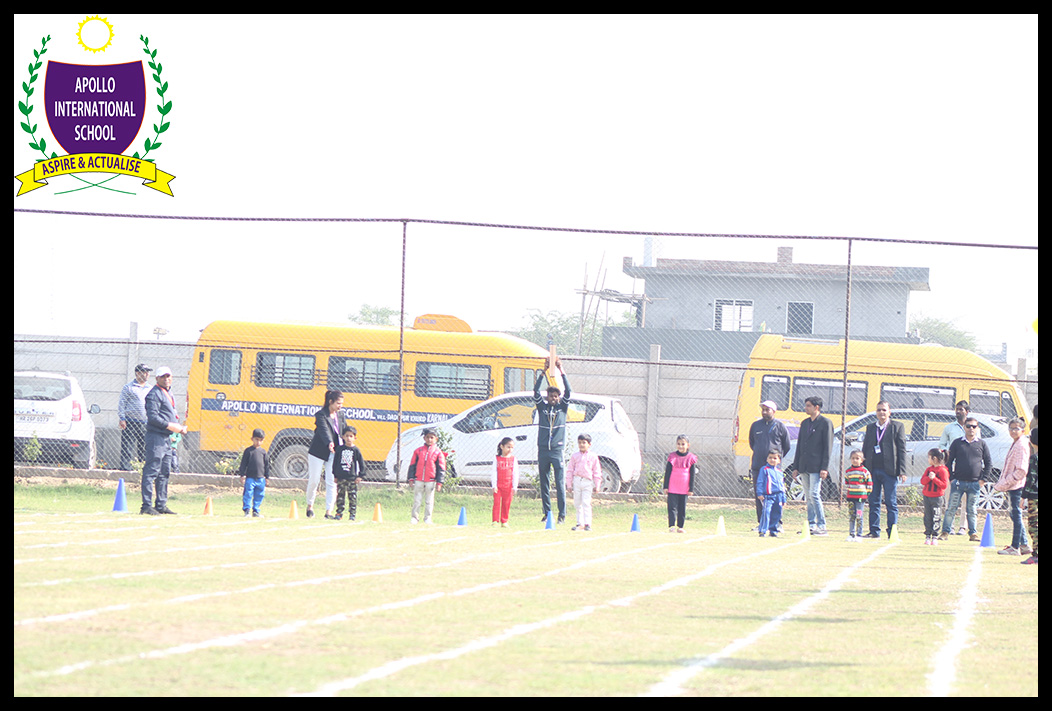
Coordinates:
[857,486]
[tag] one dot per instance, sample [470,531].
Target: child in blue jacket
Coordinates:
[770,491]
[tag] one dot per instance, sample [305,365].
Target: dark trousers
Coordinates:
[347,488]
[547,462]
[887,485]
[133,443]
[677,509]
[156,470]
[932,515]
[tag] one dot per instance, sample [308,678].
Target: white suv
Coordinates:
[474,434]
[51,408]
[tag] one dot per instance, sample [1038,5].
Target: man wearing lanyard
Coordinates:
[884,451]
[551,438]
[161,422]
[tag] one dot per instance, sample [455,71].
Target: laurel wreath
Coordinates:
[26,108]
[163,108]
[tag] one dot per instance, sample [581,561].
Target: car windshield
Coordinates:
[41,389]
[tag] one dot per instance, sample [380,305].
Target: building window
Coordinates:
[800,317]
[733,315]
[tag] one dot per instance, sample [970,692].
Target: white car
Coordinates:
[50,407]
[473,436]
[923,429]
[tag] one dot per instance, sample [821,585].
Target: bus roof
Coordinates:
[353,338]
[777,352]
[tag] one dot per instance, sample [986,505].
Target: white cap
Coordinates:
[163,370]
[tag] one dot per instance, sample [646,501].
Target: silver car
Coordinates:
[473,435]
[923,428]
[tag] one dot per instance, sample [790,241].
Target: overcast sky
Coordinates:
[898,127]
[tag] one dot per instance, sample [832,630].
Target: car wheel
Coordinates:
[291,462]
[990,500]
[794,488]
[611,477]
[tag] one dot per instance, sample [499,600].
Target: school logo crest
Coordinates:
[94,112]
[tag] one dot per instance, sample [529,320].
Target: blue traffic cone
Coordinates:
[988,532]
[120,501]
[463,521]
[635,524]
[550,524]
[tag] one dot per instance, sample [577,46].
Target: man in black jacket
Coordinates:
[884,450]
[814,445]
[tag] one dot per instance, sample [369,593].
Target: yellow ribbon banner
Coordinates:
[152,176]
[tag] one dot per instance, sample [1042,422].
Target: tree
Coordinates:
[937,330]
[564,330]
[375,316]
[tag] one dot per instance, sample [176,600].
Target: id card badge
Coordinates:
[876,449]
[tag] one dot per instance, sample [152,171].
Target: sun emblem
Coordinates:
[95,34]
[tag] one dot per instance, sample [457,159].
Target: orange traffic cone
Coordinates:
[208,506]
[293,511]
[378,515]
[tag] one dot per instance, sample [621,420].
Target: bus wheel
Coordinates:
[291,462]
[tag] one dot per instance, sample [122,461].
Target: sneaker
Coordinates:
[562,519]
[504,525]
[671,529]
[961,531]
[350,519]
[773,534]
[544,518]
[588,527]
[679,530]
[330,516]
[149,510]
[1032,560]
[338,517]
[871,535]
[257,514]
[574,527]
[944,536]
[1008,550]
[819,532]
[247,513]
[761,534]
[850,539]
[495,524]
[1025,550]
[165,510]
[974,537]
[310,513]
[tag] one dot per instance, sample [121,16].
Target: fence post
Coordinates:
[653,385]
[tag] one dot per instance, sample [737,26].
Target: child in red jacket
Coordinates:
[934,481]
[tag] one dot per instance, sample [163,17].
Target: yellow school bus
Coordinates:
[908,376]
[274,376]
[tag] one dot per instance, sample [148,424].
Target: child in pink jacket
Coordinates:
[583,475]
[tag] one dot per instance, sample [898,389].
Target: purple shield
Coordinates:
[95,108]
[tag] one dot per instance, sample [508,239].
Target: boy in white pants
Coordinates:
[583,474]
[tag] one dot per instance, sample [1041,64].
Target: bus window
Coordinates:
[832,394]
[776,389]
[284,370]
[1007,405]
[452,380]
[918,397]
[360,375]
[224,367]
[516,379]
[984,401]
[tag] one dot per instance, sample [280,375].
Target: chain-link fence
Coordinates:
[659,335]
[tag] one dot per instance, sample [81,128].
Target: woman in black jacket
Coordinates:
[328,423]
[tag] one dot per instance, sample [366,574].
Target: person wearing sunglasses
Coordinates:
[969,464]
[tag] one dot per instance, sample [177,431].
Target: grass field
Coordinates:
[123,604]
